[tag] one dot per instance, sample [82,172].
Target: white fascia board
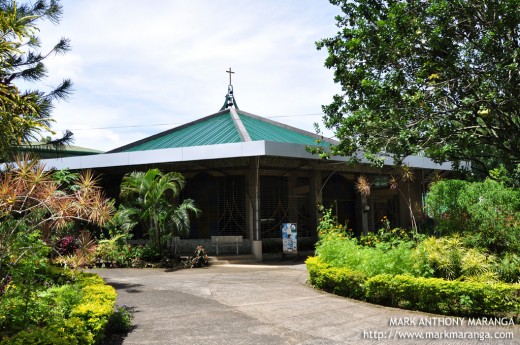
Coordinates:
[87,162]
[426,163]
[299,151]
[288,150]
[418,162]
[182,154]
[220,151]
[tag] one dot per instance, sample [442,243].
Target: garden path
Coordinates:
[269,304]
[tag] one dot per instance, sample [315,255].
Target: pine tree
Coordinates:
[26,114]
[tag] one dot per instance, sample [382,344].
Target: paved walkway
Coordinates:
[270,304]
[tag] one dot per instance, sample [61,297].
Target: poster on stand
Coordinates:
[289,237]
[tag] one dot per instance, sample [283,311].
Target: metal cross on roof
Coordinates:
[230,72]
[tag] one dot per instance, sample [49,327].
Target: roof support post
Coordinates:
[316,196]
[254,197]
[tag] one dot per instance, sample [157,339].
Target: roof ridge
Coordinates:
[291,128]
[242,131]
[226,126]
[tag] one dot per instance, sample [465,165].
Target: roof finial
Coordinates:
[230,98]
[230,72]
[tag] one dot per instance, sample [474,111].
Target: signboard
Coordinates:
[289,237]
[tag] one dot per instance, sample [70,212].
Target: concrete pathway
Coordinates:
[271,304]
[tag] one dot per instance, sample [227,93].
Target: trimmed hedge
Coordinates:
[87,321]
[441,296]
[339,281]
[417,293]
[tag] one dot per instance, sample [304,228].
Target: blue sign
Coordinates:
[289,237]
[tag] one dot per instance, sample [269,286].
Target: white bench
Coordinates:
[226,241]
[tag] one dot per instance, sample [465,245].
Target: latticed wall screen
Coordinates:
[278,204]
[222,201]
[232,213]
[274,205]
[303,208]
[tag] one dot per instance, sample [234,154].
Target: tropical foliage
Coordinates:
[436,77]
[470,267]
[37,221]
[486,213]
[153,197]
[35,213]
[434,295]
[24,115]
[72,309]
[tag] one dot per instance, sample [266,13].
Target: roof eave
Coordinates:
[220,151]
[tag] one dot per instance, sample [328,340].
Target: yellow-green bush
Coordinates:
[96,306]
[340,281]
[72,331]
[442,296]
[418,293]
[87,321]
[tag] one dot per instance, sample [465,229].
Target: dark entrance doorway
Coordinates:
[339,194]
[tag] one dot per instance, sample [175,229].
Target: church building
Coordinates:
[250,175]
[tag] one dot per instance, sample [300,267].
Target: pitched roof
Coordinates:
[227,126]
[44,150]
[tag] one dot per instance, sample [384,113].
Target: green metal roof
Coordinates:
[260,129]
[222,128]
[44,150]
[212,130]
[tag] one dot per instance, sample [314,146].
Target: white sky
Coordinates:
[139,64]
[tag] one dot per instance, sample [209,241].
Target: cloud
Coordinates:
[140,64]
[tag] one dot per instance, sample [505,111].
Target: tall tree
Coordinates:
[25,114]
[439,77]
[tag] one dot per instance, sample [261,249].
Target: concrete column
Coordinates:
[254,208]
[316,194]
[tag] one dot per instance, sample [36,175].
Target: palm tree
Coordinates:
[155,197]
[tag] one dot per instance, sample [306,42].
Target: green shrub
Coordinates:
[58,276]
[487,213]
[441,296]
[439,275]
[339,281]
[508,268]
[444,206]
[448,258]
[60,300]
[150,253]
[387,234]
[391,258]
[329,223]
[474,263]
[96,306]
[71,331]
[42,336]
[433,295]
[120,321]
[86,279]
[67,314]
[439,257]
